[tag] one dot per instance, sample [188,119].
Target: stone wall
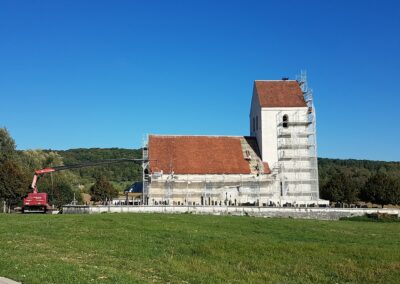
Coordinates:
[275,212]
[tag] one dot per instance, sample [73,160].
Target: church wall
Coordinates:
[269,131]
[213,190]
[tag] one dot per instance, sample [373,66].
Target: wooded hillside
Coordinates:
[345,181]
[122,173]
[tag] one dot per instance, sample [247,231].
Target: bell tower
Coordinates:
[283,120]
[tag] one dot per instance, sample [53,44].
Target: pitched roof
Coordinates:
[198,155]
[280,93]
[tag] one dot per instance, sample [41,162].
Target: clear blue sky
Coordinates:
[104,73]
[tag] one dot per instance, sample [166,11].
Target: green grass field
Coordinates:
[137,248]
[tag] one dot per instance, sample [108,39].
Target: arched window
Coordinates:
[285,121]
[254,124]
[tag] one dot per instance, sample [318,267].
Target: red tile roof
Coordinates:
[282,93]
[197,155]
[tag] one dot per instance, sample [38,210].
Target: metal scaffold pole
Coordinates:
[145,174]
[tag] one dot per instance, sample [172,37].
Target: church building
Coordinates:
[276,165]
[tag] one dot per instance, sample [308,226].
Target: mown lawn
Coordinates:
[137,248]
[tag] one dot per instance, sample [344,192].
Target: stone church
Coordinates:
[276,165]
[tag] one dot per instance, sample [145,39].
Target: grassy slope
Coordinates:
[128,248]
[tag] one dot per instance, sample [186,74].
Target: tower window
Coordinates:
[285,121]
[254,124]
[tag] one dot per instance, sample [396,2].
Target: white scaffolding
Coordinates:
[145,174]
[297,149]
[212,189]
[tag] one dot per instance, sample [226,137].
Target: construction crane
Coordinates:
[37,202]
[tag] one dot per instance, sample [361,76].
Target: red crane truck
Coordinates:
[37,202]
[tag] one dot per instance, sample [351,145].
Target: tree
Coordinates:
[38,159]
[7,145]
[102,190]
[393,192]
[13,182]
[340,188]
[381,189]
[59,189]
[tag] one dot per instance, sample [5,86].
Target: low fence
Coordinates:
[283,212]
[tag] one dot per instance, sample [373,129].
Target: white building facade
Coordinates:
[275,166]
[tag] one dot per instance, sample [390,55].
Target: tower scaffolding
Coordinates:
[297,150]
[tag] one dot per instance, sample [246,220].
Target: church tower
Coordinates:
[282,118]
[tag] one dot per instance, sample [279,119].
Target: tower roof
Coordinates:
[279,93]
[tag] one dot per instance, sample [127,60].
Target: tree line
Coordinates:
[351,181]
[344,181]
